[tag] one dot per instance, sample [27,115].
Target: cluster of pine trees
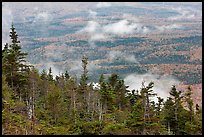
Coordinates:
[36,103]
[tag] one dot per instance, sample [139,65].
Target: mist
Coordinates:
[162,83]
[7,19]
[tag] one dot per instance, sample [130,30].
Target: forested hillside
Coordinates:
[36,103]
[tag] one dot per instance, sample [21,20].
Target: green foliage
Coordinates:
[14,66]
[116,129]
[38,104]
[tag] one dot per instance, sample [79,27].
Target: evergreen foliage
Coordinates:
[35,103]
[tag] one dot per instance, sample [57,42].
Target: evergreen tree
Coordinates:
[14,66]
[67,75]
[168,113]
[84,76]
[84,90]
[43,75]
[193,122]
[50,76]
[113,79]
[62,106]
[189,101]
[120,91]
[177,113]
[177,106]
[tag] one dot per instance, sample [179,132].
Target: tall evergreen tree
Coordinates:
[180,115]
[14,66]
[50,76]
[83,90]
[84,76]
[67,76]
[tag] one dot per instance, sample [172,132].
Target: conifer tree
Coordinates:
[84,76]
[84,90]
[67,75]
[14,66]
[189,101]
[43,75]
[50,76]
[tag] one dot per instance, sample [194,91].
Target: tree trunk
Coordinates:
[74,104]
[169,131]
[100,110]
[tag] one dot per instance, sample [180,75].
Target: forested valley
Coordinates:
[36,103]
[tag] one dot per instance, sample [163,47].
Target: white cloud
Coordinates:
[128,25]
[100,32]
[94,30]
[92,27]
[162,83]
[121,27]
[125,27]
[145,29]
[55,71]
[116,55]
[103,4]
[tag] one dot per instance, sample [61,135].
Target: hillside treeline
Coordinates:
[36,103]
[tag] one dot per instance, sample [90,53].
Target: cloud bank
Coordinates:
[162,83]
[127,25]
[120,28]
[118,55]
[98,31]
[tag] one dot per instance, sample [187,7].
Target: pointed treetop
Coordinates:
[12,26]
[14,37]
[67,75]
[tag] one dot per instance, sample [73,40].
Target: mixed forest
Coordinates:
[35,103]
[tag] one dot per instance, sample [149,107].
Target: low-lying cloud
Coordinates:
[118,55]
[120,28]
[162,83]
[99,31]
[94,30]
[128,25]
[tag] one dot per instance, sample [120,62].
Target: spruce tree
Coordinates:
[50,76]
[67,75]
[83,90]
[84,76]
[14,63]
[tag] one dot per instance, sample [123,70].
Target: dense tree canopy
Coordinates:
[39,104]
